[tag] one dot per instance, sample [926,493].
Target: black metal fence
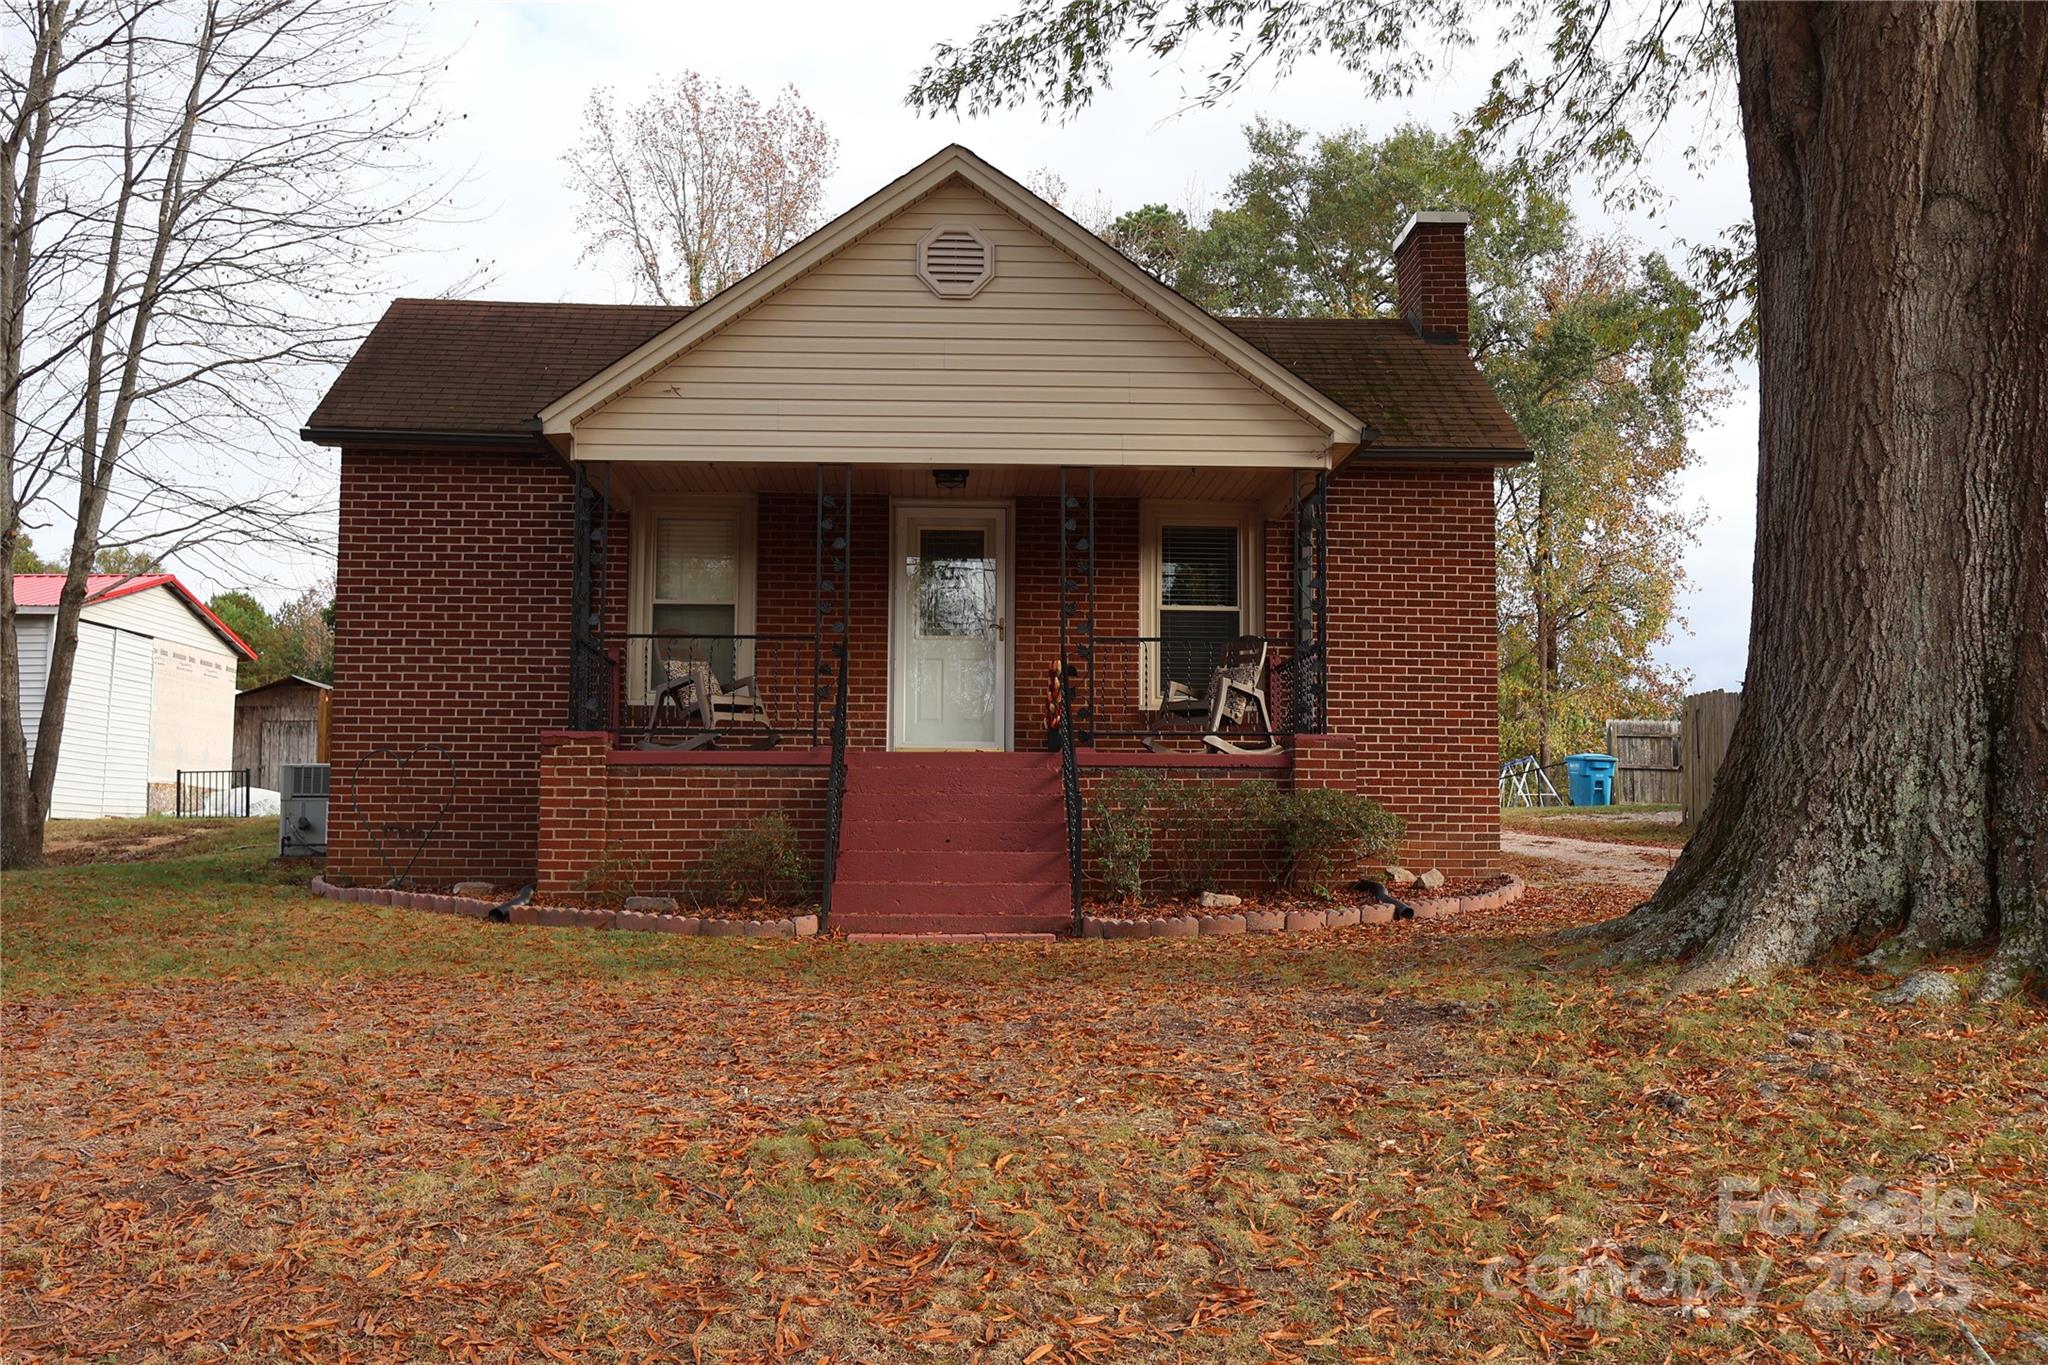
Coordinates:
[213,792]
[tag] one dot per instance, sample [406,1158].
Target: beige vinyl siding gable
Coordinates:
[857,360]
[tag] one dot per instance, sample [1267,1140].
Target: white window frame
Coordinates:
[742,509]
[1153,514]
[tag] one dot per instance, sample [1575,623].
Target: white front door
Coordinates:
[951,653]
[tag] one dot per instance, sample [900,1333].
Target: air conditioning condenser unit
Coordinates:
[302,810]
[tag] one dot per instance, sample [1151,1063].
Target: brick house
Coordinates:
[912,535]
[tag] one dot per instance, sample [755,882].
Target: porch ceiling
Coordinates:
[632,481]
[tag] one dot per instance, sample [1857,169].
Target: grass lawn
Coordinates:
[1614,824]
[243,1123]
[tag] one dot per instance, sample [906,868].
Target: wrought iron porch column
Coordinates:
[1077,590]
[1077,650]
[588,666]
[832,568]
[1311,670]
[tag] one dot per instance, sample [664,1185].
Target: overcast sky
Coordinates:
[516,84]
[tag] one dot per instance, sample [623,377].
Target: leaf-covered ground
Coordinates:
[241,1123]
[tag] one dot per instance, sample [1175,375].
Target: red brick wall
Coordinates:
[644,827]
[1414,654]
[784,603]
[1037,627]
[451,629]
[474,655]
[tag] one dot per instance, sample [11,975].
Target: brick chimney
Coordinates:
[1429,276]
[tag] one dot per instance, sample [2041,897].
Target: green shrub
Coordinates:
[1118,830]
[1321,831]
[614,875]
[1207,822]
[758,861]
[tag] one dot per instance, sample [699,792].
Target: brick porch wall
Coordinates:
[1248,868]
[646,826]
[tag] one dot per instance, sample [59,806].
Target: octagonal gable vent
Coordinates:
[955,261]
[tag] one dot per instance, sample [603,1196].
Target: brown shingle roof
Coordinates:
[477,368]
[1417,395]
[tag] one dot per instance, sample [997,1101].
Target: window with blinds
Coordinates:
[1201,605]
[696,591]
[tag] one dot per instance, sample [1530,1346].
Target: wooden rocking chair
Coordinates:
[1235,696]
[692,695]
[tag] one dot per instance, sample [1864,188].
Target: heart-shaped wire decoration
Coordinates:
[401,762]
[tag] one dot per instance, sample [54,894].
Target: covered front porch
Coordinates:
[757,639]
[742,608]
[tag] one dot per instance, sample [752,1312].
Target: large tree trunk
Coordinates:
[1888,779]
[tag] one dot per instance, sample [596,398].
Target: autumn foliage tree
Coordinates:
[697,184]
[296,640]
[1888,780]
[1607,380]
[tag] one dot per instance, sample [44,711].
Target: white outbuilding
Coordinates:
[152,690]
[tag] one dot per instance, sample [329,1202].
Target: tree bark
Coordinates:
[1887,783]
[21,163]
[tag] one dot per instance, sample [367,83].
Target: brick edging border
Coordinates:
[805,926]
[1295,921]
[571,917]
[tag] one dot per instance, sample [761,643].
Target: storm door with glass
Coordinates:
[952,650]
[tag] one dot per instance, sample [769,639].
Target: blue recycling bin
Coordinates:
[1591,779]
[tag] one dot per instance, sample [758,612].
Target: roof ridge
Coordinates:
[542,303]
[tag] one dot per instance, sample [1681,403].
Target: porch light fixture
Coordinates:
[952,480]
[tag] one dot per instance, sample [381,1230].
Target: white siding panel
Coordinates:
[103,764]
[193,682]
[160,614]
[80,784]
[857,360]
[124,778]
[33,634]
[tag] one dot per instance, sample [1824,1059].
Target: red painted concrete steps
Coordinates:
[952,843]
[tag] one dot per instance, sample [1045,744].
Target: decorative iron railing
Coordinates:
[592,686]
[693,691]
[214,792]
[1170,694]
[1310,658]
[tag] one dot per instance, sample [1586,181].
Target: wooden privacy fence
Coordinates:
[1706,723]
[1646,762]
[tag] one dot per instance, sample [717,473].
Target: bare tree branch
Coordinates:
[698,185]
[196,198]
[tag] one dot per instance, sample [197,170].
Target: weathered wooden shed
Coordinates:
[278,723]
